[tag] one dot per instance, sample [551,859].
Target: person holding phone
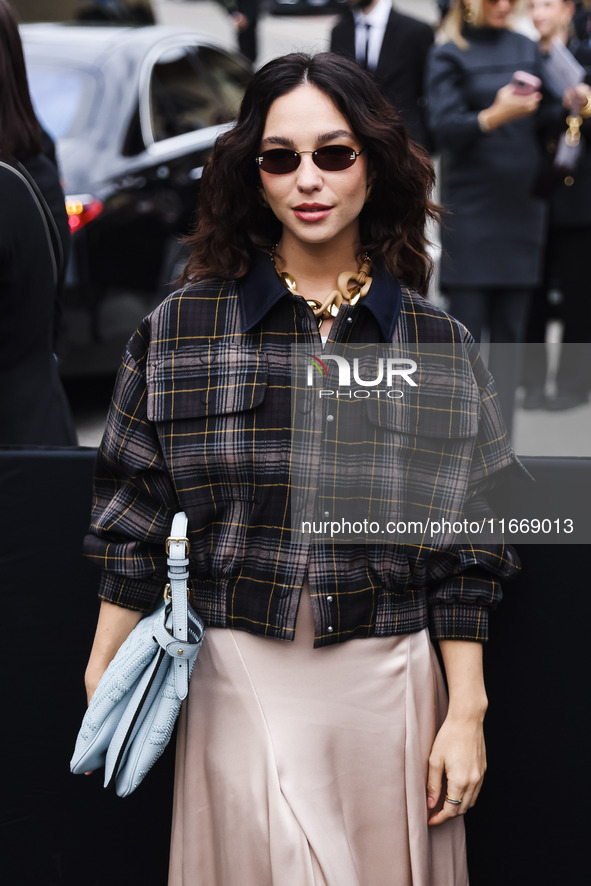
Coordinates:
[569,230]
[484,123]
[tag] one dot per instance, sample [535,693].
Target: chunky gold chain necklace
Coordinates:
[344,293]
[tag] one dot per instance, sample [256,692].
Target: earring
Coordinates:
[468,15]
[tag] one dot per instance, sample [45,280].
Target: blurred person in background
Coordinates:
[493,239]
[34,238]
[245,17]
[393,48]
[246,24]
[569,232]
[582,21]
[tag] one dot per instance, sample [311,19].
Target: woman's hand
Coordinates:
[92,677]
[576,97]
[239,21]
[508,106]
[113,627]
[457,764]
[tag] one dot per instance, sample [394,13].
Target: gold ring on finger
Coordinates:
[452,801]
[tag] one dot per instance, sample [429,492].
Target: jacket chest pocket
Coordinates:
[204,399]
[442,406]
[426,441]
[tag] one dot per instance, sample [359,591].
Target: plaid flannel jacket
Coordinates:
[200,421]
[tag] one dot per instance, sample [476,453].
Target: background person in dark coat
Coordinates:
[33,405]
[569,238]
[245,17]
[582,21]
[493,239]
[398,47]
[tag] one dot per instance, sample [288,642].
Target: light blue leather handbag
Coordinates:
[132,713]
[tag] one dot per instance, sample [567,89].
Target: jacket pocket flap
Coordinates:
[443,405]
[202,380]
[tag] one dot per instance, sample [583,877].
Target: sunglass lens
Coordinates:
[331,158]
[279,161]
[334,158]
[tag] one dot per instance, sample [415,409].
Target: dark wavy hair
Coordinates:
[20,133]
[232,219]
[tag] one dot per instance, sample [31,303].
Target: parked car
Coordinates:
[117,11]
[134,113]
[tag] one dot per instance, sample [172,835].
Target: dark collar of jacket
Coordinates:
[261,288]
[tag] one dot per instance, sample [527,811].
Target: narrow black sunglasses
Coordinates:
[331,158]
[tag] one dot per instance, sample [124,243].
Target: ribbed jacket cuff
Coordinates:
[130,593]
[459,622]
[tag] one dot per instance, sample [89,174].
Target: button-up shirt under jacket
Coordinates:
[201,421]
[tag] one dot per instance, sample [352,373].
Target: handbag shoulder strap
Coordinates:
[49,225]
[52,231]
[177,551]
[178,534]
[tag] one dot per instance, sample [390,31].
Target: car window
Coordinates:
[182,99]
[230,77]
[62,97]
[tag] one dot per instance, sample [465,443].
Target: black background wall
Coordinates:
[58,829]
[529,826]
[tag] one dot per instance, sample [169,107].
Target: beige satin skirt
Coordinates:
[307,767]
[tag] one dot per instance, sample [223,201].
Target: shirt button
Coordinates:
[329,599]
[327,513]
[330,417]
[330,629]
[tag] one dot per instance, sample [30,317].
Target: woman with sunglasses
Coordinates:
[316,746]
[485,127]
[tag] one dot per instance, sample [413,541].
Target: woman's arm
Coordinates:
[134,497]
[459,613]
[457,762]
[113,626]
